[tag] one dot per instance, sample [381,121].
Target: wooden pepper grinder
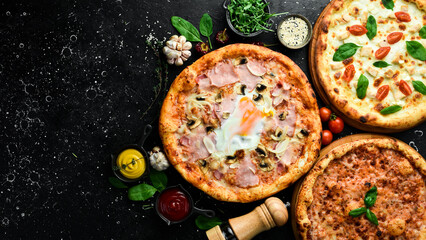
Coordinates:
[264,217]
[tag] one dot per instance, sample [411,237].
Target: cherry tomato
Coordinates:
[358,30]
[403,16]
[327,137]
[394,37]
[382,92]
[336,124]
[404,88]
[325,114]
[382,52]
[349,73]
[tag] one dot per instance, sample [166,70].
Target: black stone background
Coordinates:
[76,77]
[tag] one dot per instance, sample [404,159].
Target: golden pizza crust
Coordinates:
[414,113]
[173,112]
[305,196]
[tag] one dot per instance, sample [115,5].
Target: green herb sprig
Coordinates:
[369,200]
[205,223]
[143,191]
[190,32]
[249,16]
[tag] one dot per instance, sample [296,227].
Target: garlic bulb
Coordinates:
[177,50]
[158,160]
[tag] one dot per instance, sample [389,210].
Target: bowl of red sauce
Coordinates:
[175,205]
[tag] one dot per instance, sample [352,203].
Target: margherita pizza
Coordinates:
[370,60]
[333,199]
[241,123]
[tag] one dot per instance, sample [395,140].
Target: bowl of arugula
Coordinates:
[249,18]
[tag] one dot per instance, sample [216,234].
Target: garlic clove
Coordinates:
[166,50]
[171,44]
[171,61]
[179,46]
[186,54]
[179,62]
[187,46]
[183,58]
[182,39]
[174,38]
[173,54]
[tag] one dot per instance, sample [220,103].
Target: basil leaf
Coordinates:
[390,109]
[206,25]
[345,51]
[370,197]
[420,87]
[372,217]
[115,182]
[388,4]
[357,212]
[141,192]
[381,64]
[205,223]
[371,27]
[186,29]
[422,32]
[158,179]
[361,88]
[416,50]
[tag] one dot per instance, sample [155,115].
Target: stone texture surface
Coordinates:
[76,78]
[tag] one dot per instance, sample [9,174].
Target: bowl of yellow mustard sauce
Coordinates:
[130,163]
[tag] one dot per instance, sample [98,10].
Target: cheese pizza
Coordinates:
[370,61]
[241,123]
[332,201]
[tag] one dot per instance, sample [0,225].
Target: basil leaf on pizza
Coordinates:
[370,197]
[388,4]
[361,89]
[186,29]
[358,212]
[390,109]
[416,50]
[422,32]
[419,87]
[371,27]
[381,64]
[345,51]
[371,217]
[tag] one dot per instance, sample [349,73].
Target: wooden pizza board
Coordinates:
[323,152]
[322,94]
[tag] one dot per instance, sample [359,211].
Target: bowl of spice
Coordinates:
[294,31]
[249,18]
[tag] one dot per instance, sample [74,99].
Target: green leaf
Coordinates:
[372,217]
[381,64]
[370,197]
[206,25]
[158,179]
[391,109]
[371,27]
[345,51]
[205,223]
[422,32]
[416,50]
[115,182]
[357,212]
[186,29]
[141,192]
[361,88]
[388,4]
[420,87]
